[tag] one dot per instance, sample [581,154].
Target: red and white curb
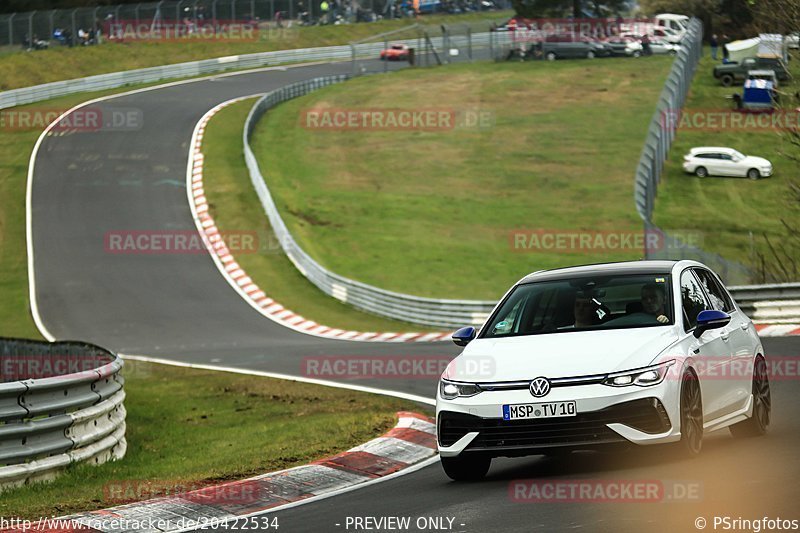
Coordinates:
[239,279]
[777,330]
[411,443]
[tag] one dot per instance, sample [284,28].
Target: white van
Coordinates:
[670,21]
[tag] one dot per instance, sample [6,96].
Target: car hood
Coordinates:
[755,161]
[557,355]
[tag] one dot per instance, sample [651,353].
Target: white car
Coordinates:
[666,34]
[633,353]
[793,40]
[660,46]
[719,161]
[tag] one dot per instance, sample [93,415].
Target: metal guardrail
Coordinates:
[101,82]
[414,309]
[766,303]
[770,304]
[60,403]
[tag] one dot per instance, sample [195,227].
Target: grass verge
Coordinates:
[432,212]
[23,69]
[191,427]
[235,207]
[734,215]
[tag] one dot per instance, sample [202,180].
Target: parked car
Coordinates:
[793,40]
[624,46]
[660,46]
[729,73]
[618,354]
[666,34]
[396,52]
[567,45]
[719,161]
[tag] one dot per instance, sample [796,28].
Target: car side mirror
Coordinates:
[710,319]
[464,336]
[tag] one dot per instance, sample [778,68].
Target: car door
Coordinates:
[727,166]
[740,342]
[713,163]
[710,352]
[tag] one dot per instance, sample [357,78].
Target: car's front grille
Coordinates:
[589,428]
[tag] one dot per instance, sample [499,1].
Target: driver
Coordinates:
[653,299]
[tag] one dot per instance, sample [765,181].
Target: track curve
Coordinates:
[85,184]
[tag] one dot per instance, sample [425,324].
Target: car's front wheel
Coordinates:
[753,174]
[762,405]
[637,53]
[466,467]
[551,56]
[701,172]
[590,54]
[691,415]
[727,80]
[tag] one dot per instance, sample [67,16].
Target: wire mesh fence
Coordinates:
[94,25]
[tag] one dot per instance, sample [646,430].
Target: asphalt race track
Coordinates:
[178,306]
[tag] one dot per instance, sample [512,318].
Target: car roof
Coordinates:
[700,149]
[621,268]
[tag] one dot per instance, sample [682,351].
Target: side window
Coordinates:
[692,299]
[716,294]
[726,157]
[510,322]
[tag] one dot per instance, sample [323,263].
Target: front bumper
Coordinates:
[605,416]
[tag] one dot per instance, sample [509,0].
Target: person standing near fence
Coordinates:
[725,53]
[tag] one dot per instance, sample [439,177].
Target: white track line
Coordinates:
[288,377]
[37,319]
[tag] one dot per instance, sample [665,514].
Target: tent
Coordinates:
[771,45]
[738,50]
[765,45]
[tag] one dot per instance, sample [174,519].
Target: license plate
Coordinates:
[525,411]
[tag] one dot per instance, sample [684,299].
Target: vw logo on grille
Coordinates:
[540,387]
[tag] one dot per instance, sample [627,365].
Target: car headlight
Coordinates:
[450,390]
[643,377]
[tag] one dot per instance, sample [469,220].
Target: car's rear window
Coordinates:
[582,304]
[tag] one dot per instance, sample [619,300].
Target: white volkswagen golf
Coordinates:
[633,353]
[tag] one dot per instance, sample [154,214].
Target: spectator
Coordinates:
[714,46]
[725,53]
[324,8]
[646,50]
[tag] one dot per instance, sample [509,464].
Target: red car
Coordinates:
[396,52]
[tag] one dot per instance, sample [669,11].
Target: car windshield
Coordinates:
[582,304]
